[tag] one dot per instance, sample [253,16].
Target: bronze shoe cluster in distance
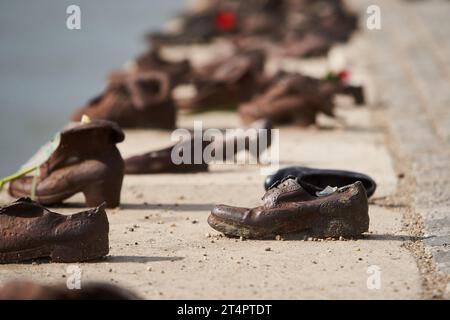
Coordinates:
[290,208]
[30,231]
[86,160]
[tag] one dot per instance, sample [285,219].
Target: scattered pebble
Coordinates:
[268,249]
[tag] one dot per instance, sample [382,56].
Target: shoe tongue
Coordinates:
[287,190]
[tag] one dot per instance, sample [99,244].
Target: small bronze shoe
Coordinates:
[291,208]
[160,161]
[30,231]
[297,99]
[27,290]
[86,160]
[178,72]
[225,83]
[134,100]
[290,98]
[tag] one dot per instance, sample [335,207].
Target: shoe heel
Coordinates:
[105,191]
[81,251]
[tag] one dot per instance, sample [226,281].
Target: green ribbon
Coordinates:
[331,76]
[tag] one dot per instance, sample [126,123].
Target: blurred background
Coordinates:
[47,70]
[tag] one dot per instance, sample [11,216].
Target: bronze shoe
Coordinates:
[160,161]
[30,231]
[178,72]
[134,100]
[27,290]
[86,160]
[291,208]
[225,83]
[295,99]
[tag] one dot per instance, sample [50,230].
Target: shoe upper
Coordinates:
[320,178]
[26,224]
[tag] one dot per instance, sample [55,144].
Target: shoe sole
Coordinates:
[327,228]
[62,253]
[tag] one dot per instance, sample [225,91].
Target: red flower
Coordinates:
[344,75]
[226,21]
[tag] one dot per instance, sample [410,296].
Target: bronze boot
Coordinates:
[86,160]
[30,231]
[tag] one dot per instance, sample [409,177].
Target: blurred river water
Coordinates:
[47,70]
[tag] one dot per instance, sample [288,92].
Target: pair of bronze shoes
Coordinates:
[297,99]
[293,207]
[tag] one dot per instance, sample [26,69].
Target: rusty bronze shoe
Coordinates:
[178,72]
[134,100]
[225,83]
[30,231]
[291,98]
[292,208]
[161,161]
[295,99]
[85,160]
[27,290]
[319,179]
